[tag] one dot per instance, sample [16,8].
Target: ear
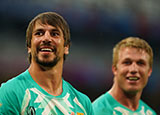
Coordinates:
[149,72]
[29,50]
[66,50]
[114,70]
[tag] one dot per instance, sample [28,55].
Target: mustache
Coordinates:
[53,47]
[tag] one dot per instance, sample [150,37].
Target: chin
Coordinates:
[133,90]
[48,62]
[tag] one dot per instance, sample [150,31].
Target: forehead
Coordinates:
[133,54]
[39,25]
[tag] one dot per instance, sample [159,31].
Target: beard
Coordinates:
[51,63]
[46,63]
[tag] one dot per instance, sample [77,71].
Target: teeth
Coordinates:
[133,78]
[46,49]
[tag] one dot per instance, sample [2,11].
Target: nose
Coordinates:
[133,68]
[46,37]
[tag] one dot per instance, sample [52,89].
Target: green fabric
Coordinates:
[107,105]
[22,95]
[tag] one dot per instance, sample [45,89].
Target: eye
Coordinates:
[141,63]
[126,62]
[39,33]
[54,34]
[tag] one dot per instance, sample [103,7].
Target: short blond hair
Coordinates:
[133,42]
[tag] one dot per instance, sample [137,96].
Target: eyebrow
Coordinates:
[41,29]
[141,60]
[127,59]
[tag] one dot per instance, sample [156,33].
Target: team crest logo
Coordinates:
[31,111]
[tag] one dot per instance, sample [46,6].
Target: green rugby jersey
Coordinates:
[22,95]
[107,105]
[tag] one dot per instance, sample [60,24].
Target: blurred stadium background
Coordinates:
[96,26]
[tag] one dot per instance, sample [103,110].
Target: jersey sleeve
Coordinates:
[86,103]
[8,101]
[90,108]
[101,106]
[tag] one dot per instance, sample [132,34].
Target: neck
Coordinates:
[127,99]
[49,79]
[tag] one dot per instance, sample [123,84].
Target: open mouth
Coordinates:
[133,78]
[47,49]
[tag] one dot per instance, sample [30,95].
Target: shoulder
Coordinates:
[12,92]
[13,89]
[101,100]
[147,108]
[102,105]
[13,84]
[79,97]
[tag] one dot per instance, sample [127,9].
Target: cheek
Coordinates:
[144,73]
[59,44]
[122,70]
[58,41]
[35,41]
[145,81]
[120,75]
[33,48]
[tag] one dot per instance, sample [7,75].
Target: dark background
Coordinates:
[96,26]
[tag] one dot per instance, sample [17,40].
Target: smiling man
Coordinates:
[131,66]
[41,90]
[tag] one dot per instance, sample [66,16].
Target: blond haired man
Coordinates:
[131,66]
